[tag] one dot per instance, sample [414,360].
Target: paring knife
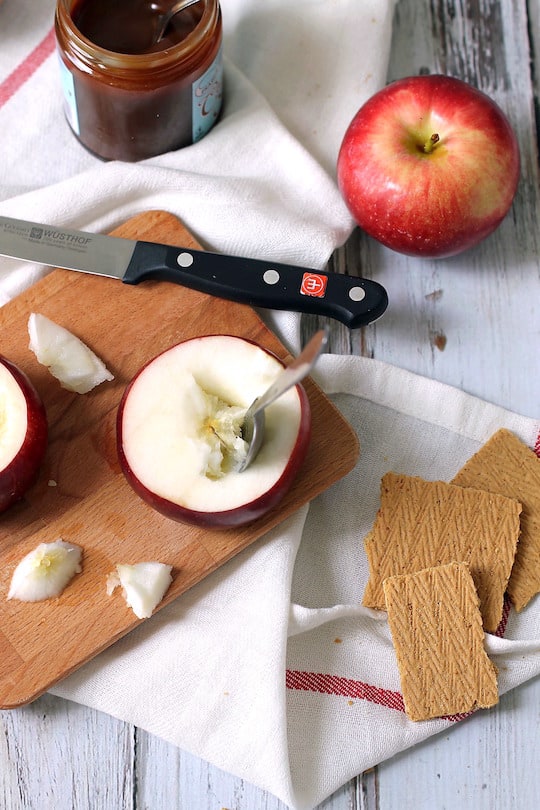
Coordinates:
[351,300]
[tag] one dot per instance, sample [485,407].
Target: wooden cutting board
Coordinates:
[82,496]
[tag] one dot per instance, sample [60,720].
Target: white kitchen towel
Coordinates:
[271,668]
[216,672]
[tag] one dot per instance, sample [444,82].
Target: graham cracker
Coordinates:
[436,628]
[421,524]
[506,465]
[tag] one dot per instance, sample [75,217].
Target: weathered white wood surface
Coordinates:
[474,322]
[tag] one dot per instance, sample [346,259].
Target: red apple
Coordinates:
[429,166]
[179,432]
[23,433]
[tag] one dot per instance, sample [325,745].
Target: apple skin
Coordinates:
[430,204]
[21,471]
[224,518]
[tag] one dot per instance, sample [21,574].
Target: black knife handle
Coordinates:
[351,300]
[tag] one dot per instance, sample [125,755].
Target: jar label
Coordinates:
[206,97]
[70,100]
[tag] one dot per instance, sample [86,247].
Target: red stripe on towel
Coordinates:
[347,687]
[344,687]
[507,606]
[27,68]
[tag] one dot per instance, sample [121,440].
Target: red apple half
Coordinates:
[23,433]
[429,166]
[179,432]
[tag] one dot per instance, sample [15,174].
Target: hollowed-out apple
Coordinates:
[23,433]
[179,432]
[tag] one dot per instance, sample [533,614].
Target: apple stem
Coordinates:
[431,142]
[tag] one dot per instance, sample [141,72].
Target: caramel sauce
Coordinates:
[128,26]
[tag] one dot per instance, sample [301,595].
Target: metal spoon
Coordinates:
[253,425]
[164,19]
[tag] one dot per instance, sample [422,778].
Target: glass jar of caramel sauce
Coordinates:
[126,98]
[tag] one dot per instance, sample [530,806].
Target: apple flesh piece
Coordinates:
[429,166]
[68,359]
[23,433]
[179,432]
[44,572]
[143,584]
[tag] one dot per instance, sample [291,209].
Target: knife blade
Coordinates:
[351,300]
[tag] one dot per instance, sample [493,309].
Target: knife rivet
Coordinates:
[357,293]
[271,276]
[184,259]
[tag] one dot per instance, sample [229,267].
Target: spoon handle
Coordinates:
[294,372]
[166,18]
